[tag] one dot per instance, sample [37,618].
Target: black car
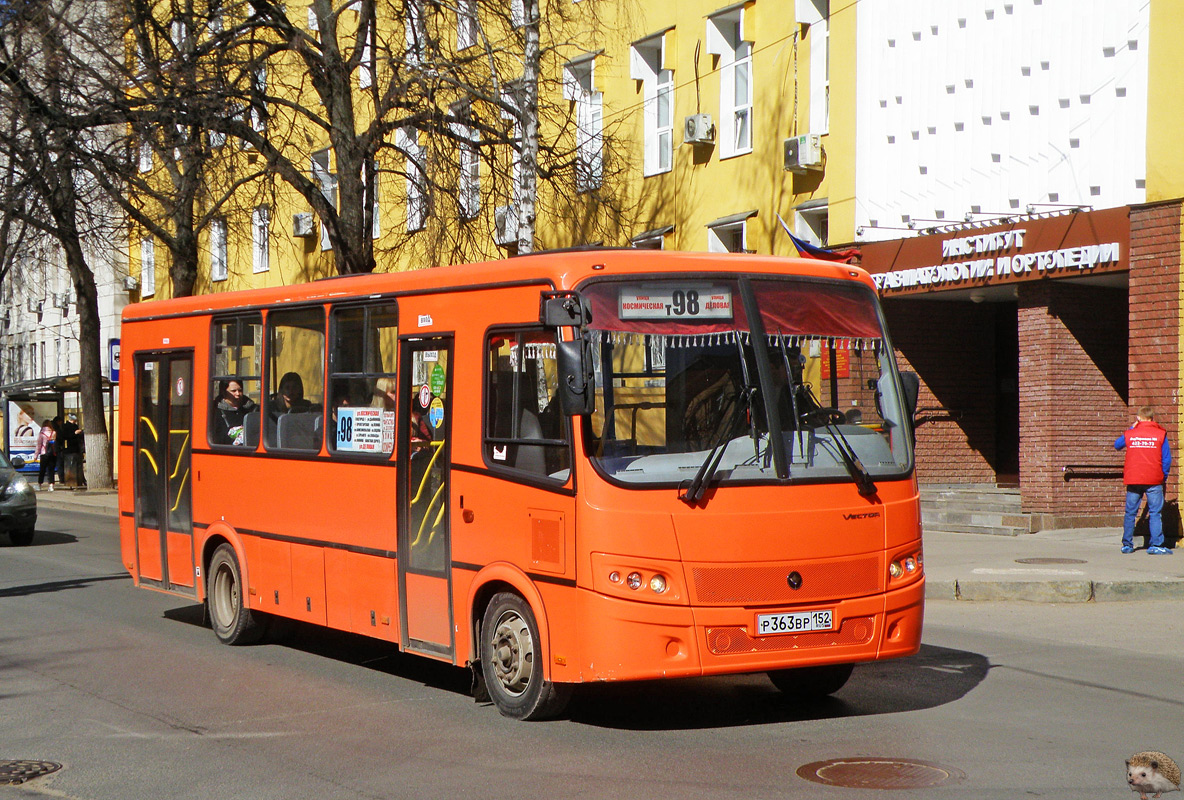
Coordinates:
[18,503]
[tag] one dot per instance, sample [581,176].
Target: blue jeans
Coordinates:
[1134,496]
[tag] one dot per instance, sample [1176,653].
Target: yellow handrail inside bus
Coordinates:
[151,460]
[427,513]
[184,480]
[439,448]
[151,427]
[182,450]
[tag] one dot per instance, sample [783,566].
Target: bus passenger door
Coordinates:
[425,551]
[164,523]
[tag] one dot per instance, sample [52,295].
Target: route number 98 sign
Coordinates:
[688,301]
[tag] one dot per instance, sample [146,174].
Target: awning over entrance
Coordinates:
[41,388]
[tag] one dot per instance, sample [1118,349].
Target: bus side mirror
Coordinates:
[575,377]
[560,309]
[910,383]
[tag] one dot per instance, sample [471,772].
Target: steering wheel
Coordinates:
[818,417]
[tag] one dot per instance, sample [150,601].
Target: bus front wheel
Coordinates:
[232,621]
[512,662]
[807,682]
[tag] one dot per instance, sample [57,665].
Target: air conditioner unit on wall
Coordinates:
[803,153]
[302,224]
[698,129]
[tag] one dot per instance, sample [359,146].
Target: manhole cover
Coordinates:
[13,772]
[1050,561]
[880,773]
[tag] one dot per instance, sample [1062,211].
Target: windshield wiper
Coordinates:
[692,492]
[831,418]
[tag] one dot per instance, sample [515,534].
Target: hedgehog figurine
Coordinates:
[1151,772]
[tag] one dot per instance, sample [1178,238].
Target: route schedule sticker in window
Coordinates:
[365,430]
[688,301]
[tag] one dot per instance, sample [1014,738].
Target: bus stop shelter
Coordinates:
[27,403]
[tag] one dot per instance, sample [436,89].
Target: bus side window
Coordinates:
[524,427]
[235,383]
[363,392]
[295,376]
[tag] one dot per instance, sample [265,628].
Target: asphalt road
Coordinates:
[133,696]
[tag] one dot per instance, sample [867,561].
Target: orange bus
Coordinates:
[578,466]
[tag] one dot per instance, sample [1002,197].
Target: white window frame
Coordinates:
[375,219]
[365,74]
[466,24]
[468,182]
[811,223]
[818,37]
[729,234]
[512,96]
[407,142]
[414,33]
[323,176]
[725,38]
[261,239]
[646,61]
[147,267]
[145,155]
[219,261]
[259,84]
[579,86]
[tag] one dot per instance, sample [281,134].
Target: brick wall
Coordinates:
[949,345]
[1155,322]
[1073,388]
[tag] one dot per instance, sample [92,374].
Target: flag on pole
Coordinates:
[807,250]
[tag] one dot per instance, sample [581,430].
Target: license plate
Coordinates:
[795,622]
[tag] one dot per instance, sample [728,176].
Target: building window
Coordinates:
[407,141]
[260,238]
[414,32]
[812,224]
[147,267]
[652,240]
[145,155]
[327,180]
[816,15]
[258,103]
[466,24]
[579,87]
[647,58]
[218,260]
[365,70]
[725,38]
[468,184]
[729,234]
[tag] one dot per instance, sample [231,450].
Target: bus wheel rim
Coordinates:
[513,653]
[225,599]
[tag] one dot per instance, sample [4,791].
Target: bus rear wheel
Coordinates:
[512,662]
[811,682]
[233,622]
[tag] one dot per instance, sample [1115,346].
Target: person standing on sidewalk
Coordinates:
[1148,461]
[46,452]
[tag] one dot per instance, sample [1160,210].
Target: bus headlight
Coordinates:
[634,580]
[638,579]
[658,584]
[905,567]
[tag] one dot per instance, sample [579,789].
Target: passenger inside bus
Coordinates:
[290,397]
[231,408]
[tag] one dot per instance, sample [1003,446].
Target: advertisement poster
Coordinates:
[365,430]
[24,423]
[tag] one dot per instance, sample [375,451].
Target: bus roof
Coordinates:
[562,269]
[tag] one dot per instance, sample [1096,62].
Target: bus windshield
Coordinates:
[687,385]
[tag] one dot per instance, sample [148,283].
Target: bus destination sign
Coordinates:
[675,301]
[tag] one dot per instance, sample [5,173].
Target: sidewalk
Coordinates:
[1061,566]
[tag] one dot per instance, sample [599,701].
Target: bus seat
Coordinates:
[251,429]
[299,430]
[530,457]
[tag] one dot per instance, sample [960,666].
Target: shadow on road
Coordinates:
[933,677]
[58,586]
[42,538]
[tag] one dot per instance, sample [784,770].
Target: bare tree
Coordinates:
[51,104]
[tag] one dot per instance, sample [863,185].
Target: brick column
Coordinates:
[1155,286]
[1073,343]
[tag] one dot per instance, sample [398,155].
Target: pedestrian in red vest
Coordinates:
[1148,462]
